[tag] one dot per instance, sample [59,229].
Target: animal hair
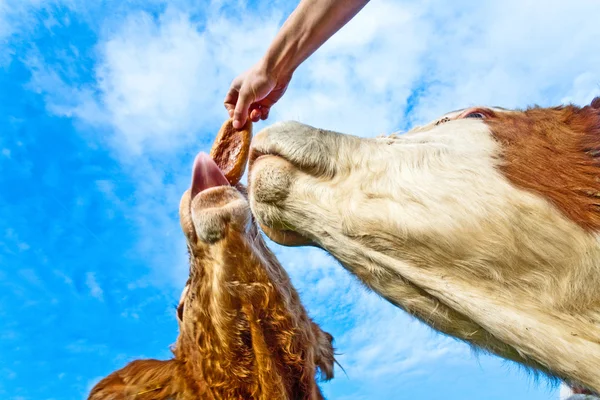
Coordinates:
[484,224]
[244,333]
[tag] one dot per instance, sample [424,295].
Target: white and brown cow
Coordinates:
[484,224]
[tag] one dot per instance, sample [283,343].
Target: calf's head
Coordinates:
[483,223]
[240,316]
[244,333]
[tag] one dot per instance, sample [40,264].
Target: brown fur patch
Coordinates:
[251,337]
[555,152]
[146,380]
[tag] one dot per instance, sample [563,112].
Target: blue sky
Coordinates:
[103,106]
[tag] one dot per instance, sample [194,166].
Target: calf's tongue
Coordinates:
[206,174]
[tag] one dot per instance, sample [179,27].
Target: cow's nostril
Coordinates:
[271,179]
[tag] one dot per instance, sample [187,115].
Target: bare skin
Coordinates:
[313,22]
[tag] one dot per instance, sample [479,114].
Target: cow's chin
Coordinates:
[286,237]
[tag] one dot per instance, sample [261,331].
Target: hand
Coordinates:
[252,94]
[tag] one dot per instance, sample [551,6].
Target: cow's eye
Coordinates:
[180,311]
[475,115]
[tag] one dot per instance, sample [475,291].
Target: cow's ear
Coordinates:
[325,356]
[140,380]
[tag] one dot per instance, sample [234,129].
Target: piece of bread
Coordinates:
[231,149]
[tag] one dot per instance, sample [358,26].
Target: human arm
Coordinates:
[311,24]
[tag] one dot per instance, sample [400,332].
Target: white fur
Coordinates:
[427,220]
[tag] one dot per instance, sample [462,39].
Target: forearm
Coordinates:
[305,30]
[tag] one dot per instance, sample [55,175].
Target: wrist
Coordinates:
[276,65]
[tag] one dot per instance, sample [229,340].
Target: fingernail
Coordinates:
[237,124]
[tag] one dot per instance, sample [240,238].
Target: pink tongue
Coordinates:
[206,174]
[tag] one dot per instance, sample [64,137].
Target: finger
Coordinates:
[230,101]
[240,115]
[255,115]
[265,113]
[230,109]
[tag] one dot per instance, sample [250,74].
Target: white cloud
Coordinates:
[84,346]
[360,80]
[157,82]
[93,286]
[510,53]
[162,82]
